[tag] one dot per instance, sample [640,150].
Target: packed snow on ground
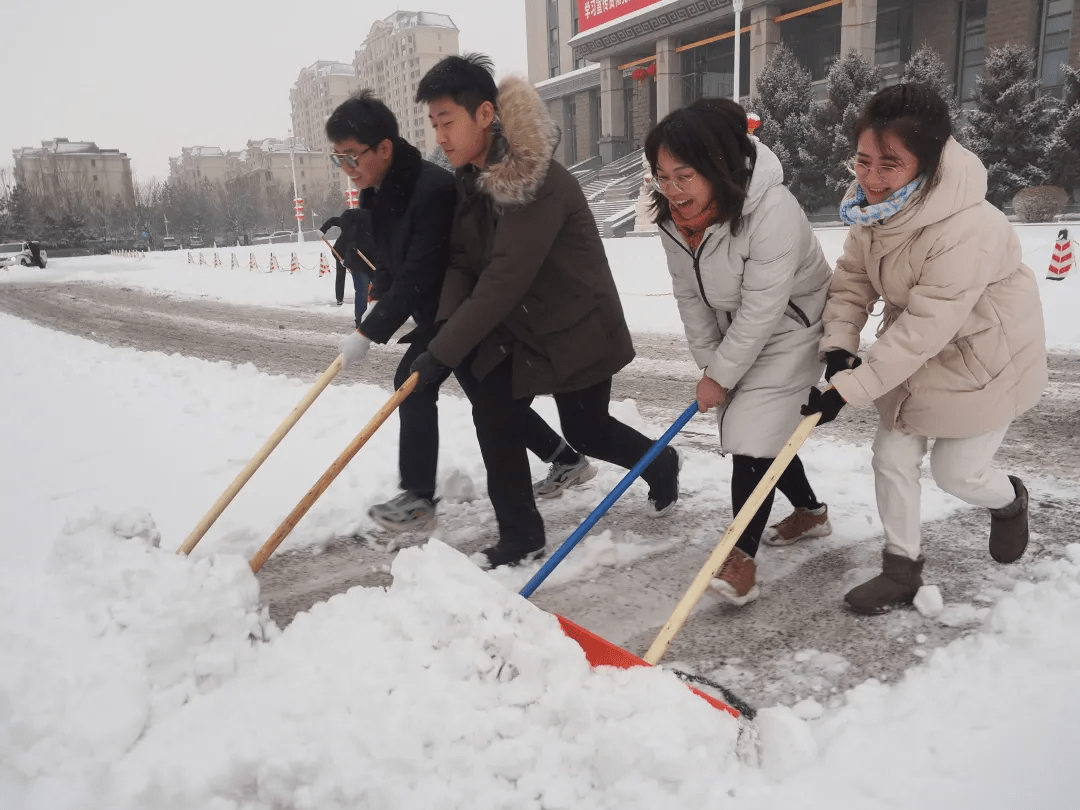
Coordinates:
[136,678]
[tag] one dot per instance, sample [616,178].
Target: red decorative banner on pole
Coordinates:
[592,13]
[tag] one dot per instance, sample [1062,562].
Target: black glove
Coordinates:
[431,371]
[828,404]
[333,222]
[839,360]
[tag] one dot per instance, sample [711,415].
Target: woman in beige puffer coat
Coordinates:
[960,352]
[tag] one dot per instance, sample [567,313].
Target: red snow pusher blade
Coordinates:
[602,653]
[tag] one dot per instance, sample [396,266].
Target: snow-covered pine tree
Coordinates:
[851,81]
[22,218]
[438,157]
[1063,145]
[926,67]
[785,102]
[1010,127]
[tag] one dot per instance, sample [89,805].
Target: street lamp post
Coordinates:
[737,5]
[296,190]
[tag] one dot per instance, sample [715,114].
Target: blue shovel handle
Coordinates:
[606,504]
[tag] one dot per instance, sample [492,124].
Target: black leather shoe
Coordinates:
[505,554]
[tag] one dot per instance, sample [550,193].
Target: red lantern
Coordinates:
[651,69]
[639,74]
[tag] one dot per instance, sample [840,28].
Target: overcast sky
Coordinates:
[137,77]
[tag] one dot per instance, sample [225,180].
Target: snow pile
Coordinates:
[106,638]
[132,680]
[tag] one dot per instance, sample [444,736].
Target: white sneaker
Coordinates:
[405,513]
[564,476]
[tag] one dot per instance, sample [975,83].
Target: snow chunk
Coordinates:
[785,739]
[928,601]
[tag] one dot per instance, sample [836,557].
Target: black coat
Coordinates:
[412,214]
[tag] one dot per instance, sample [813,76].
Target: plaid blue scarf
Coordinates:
[855,211]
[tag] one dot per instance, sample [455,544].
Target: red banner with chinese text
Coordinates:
[592,13]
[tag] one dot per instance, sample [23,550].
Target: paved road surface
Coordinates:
[795,642]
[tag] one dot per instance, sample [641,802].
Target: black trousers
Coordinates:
[418,414]
[502,427]
[746,473]
[339,282]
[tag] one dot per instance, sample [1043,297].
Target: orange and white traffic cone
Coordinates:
[252,264]
[1062,260]
[233,263]
[273,263]
[324,265]
[294,265]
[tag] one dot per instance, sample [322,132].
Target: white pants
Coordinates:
[961,467]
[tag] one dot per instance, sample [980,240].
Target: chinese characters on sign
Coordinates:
[592,13]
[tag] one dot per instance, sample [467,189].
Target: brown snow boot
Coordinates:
[1009,526]
[897,584]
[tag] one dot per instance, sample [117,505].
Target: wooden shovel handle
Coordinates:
[335,469]
[727,542]
[245,474]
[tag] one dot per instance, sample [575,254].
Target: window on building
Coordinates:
[893,43]
[553,37]
[814,39]
[301,173]
[709,70]
[1054,42]
[972,47]
[95,178]
[93,163]
[570,131]
[575,23]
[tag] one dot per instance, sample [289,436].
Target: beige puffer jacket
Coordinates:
[961,349]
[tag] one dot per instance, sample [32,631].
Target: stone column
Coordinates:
[764,39]
[668,78]
[613,137]
[858,27]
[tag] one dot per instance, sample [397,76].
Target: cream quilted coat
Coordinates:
[961,349]
[751,307]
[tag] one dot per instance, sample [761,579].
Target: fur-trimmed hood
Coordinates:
[529,138]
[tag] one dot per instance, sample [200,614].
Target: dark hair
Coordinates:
[364,117]
[917,115]
[710,136]
[468,80]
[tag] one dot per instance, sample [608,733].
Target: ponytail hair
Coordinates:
[917,115]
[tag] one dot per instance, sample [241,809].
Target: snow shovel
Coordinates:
[245,474]
[614,495]
[334,470]
[727,542]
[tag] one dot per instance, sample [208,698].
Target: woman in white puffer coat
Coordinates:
[750,281]
[961,350]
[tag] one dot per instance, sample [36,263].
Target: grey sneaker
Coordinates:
[564,476]
[406,513]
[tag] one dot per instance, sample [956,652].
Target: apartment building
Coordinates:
[583,54]
[397,52]
[319,89]
[198,164]
[74,176]
[263,171]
